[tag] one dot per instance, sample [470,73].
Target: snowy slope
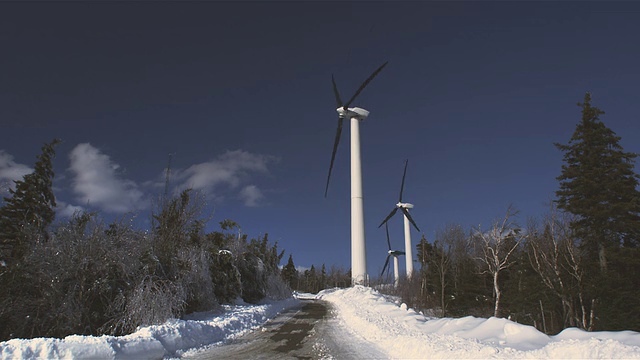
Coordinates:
[403,333]
[150,342]
[371,317]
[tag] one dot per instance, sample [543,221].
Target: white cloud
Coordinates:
[251,195]
[96,182]
[10,171]
[230,169]
[65,210]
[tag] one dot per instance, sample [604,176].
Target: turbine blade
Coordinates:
[386,226]
[406,213]
[333,154]
[393,212]
[385,265]
[335,91]
[364,84]
[403,176]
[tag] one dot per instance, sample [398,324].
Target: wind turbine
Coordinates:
[404,207]
[395,254]
[356,114]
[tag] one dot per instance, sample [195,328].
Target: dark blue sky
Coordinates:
[475,95]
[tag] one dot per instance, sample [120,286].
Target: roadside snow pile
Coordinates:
[403,333]
[151,342]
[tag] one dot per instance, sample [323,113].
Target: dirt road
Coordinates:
[308,331]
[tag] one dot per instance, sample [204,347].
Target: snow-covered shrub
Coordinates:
[225,276]
[276,288]
[152,301]
[196,279]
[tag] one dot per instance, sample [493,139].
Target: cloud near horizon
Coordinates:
[230,169]
[96,182]
[10,171]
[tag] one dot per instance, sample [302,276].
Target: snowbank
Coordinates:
[403,333]
[150,342]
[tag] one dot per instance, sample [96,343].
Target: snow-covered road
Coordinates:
[308,331]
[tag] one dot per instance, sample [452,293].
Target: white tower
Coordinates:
[408,221]
[408,248]
[358,246]
[355,115]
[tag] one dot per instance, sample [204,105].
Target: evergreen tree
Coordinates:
[323,278]
[598,185]
[29,209]
[290,274]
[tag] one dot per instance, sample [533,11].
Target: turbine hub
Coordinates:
[404,205]
[354,112]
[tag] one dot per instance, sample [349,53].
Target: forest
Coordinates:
[576,266]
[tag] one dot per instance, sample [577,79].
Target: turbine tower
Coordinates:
[395,254]
[404,207]
[355,114]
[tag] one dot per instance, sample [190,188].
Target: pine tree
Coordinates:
[598,185]
[290,274]
[29,209]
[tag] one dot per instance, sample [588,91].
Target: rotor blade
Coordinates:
[385,265]
[393,212]
[386,226]
[364,84]
[406,213]
[333,154]
[403,176]
[335,91]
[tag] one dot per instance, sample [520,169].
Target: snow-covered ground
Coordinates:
[371,317]
[168,340]
[404,333]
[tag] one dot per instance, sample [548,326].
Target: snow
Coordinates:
[170,339]
[368,316]
[403,333]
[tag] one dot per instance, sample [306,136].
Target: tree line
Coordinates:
[83,276]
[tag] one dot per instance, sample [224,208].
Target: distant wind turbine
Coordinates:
[404,207]
[356,114]
[395,254]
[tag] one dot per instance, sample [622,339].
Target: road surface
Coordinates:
[307,331]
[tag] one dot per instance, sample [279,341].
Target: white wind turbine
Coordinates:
[404,207]
[395,254]
[355,114]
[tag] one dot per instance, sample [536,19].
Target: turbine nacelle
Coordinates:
[404,205]
[354,112]
[344,111]
[395,252]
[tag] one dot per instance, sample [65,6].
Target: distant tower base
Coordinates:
[408,248]
[364,281]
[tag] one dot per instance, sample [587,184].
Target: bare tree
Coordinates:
[573,259]
[556,257]
[495,248]
[547,257]
[445,241]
